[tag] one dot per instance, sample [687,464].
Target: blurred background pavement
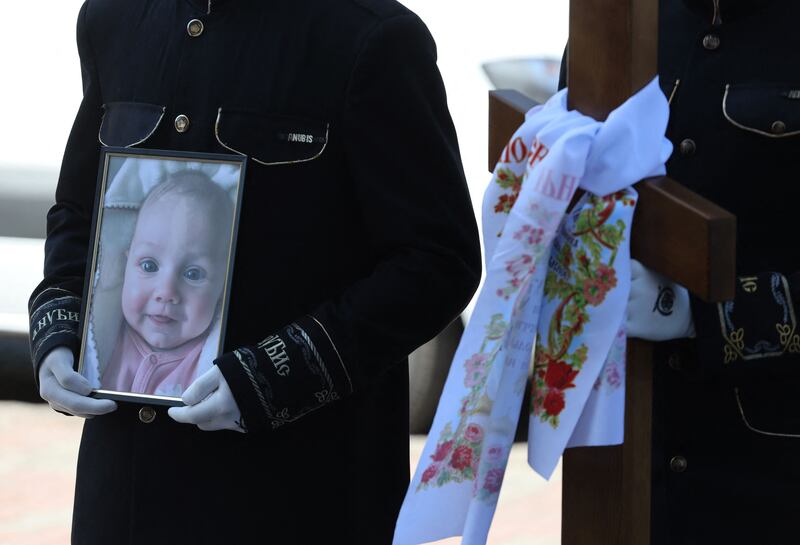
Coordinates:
[39,448]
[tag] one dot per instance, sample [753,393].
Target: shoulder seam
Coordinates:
[376,27]
[362,5]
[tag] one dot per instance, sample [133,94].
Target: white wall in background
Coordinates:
[40,81]
[471,32]
[41,87]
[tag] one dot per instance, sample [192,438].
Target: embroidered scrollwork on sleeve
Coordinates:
[760,322]
[54,321]
[287,375]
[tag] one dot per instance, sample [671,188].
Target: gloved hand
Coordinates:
[66,390]
[658,309]
[209,404]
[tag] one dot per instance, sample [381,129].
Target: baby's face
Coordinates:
[174,275]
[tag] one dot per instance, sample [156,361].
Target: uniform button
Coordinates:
[181,123]
[678,464]
[153,358]
[711,42]
[779,127]
[147,414]
[674,362]
[688,147]
[195,28]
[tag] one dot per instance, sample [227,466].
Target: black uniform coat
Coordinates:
[733,75]
[726,406]
[357,243]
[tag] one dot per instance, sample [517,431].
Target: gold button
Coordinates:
[711,42]
[678,464]
[687,147]
[779,127]
[181,123]
[147,414]
[195,28]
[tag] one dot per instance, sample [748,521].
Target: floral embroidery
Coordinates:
[613,373]
[492,480]
[458,450]
[509,181]
[521,267]
[581,274]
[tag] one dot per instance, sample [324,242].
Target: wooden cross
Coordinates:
[613,53]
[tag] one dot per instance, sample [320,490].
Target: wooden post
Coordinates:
[613,43]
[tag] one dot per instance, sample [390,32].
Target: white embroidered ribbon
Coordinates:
[456,485]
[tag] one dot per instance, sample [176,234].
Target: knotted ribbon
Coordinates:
[560,280]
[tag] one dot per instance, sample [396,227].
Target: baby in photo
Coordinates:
[174,279]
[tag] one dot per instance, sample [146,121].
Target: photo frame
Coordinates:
[158,279]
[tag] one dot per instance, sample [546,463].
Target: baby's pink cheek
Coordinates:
[134,300]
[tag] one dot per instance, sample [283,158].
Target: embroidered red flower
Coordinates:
[607,277]
[594,292]
[559,375]
[494,454]
[476,370]
[529,234]
[442,450]
[554,402]
[493,481]
[505,203]
[519,265]
[462,457]
[473,433]
[430,473]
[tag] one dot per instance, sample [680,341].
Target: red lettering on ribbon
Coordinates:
[537,154]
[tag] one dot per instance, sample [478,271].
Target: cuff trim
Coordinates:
[286,376]
[760,322]
[338,356]
[54,322]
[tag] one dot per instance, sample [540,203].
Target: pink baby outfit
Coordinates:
[135,367]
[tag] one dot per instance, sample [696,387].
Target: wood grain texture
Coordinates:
[606,491]
[613,48]
[507,111]
[685,237]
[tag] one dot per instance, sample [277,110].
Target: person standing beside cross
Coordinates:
[357,243]
[726,416]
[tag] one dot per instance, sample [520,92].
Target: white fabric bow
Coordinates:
[563,277]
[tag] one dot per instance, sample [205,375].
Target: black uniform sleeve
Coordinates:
[54,306]
[403,155]
[760,322]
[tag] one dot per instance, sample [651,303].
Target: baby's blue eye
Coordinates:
[194,274]
[148,265]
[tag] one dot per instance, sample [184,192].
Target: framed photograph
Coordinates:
[157,288]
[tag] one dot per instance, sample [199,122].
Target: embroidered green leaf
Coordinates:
[496,328]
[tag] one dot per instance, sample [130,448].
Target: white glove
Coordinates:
[658,309]
[66,390]
[209,404]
